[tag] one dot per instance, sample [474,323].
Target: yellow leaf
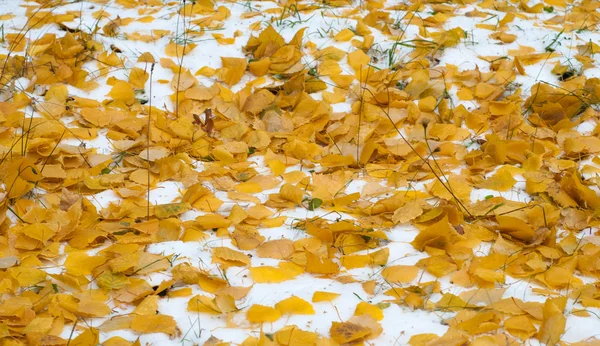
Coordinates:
[174,50]
[182,81]
[459,189]
[364,308]
[79,263]
[267,274]
[520,326]
[484,90]
[230,257]
[419,82]
[377,258]
[184,292]
[164,211]
[320,266]
[502,180]
[451,302]
[20,176]
[38,231]
[41,325]
[261,67]
[112,281]
[516,228]
[219,153]
[342,81]
[344,35]
[90,336]
[248,187]
[278,249]
[407,213]
[465,94]
[148,306]
[427,104]
[553,324]
[329,68]
[202,303]
[122,91]
[294,336]
[258,101]
[146,57]
[337,160]
[260,313]
[233,70]
[199,92]
[347,332]
[330,52]
[246,238]
[273,222]
[259,212]
[400,273]
[211,221]
[583,195]
[291,193]
[369,286]
[226,303]
[90,307]
[358,59]
[295,306]
[155,324]
[223,40]
[211,283]
[320,296]
[206,72]
[138,77]
[438,235]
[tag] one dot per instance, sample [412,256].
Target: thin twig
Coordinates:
[148,140]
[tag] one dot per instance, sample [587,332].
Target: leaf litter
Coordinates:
[299,173]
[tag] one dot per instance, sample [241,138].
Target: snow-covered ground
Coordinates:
[494,53]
